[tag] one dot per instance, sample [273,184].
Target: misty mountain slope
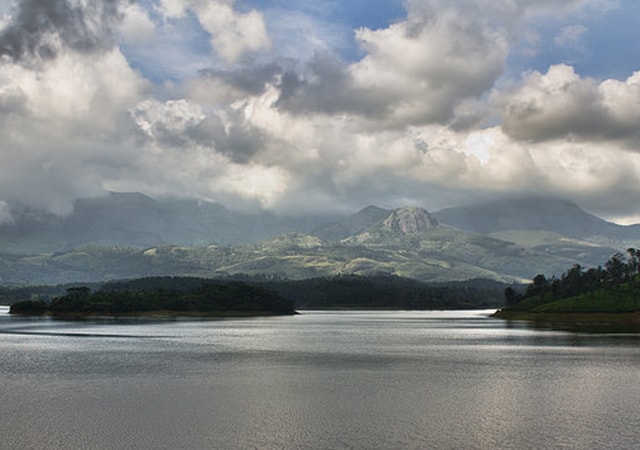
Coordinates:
[430,240]
[536,214]
[408,242]
[556,244]
[351,225]
[289,257]
[136,220]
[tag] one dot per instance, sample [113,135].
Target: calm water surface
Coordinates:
[326,380]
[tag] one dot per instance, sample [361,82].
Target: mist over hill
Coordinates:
[130,235]
[138,221]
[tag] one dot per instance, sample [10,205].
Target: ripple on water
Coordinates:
[318,380]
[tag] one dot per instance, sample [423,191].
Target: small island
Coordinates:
[608,295]
[162,297]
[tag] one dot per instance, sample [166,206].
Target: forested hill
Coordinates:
[186,298]
[192,294]
[614,288]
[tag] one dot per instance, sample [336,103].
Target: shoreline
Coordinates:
[579,322]
[577,317]
[161,314]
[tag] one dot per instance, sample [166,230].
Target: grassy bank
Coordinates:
[589,322]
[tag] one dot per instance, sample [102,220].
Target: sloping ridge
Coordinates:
[535,213]
[136,220]
[409,220]
[353,224]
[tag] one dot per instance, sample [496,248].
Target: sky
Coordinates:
[301,106]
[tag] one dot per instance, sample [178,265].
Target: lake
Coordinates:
[317,380]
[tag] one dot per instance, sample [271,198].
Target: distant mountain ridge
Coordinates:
[138,221]
[352,224]
[533,213]
[131,235]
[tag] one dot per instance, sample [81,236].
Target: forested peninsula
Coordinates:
[193,295]
[598,294]
[177,297]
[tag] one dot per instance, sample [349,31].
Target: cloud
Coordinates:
[137,25]
[560,103]
[570,35]
[172,117]
[5,213]
[62,111]
[40,28]
[219,86]
[415,72]
[177,101]
[233,34]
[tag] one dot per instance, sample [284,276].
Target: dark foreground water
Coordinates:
[330,380]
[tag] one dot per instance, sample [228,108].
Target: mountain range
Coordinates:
[129,235]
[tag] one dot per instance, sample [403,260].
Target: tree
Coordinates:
[616,270]
[29,307]
[572,281]
[539,286]
[511,297]
[78,292]
[594,279]
[633,265]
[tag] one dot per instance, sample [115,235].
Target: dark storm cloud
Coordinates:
[39,23]
[250,80]
[321,85]
[325,86]
[239,142]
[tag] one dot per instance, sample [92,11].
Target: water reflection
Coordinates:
[578,326]
[354,379]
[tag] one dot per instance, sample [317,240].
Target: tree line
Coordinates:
[204,298]
[577,281]
[186,293]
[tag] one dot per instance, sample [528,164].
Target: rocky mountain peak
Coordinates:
[409,219]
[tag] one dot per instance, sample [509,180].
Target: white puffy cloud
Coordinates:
[62,112]
[414,72]
[137,25]
[233,34]
[375,131]
[73,86]
[173,116]
[425,66]
[621,103]
[561,103]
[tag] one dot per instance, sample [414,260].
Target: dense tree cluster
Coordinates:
[390,292]
[205,298]
[268,293]
[576,281]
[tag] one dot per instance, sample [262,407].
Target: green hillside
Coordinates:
[435,254]
[614,288]
[408,242]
